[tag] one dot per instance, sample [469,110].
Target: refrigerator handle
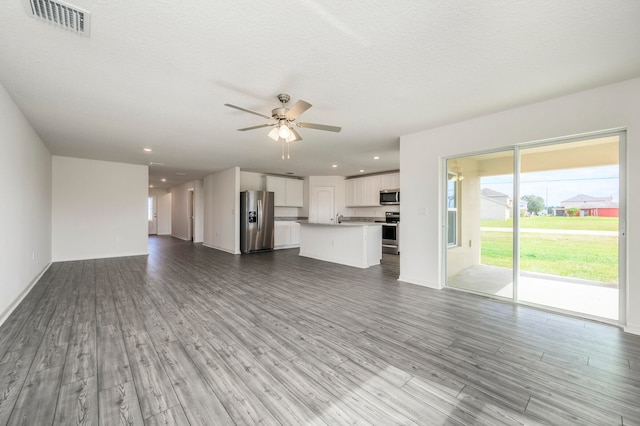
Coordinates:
[259,218]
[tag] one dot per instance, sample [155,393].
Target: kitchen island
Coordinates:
[356,244]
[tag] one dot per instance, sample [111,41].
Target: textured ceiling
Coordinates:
[158,73]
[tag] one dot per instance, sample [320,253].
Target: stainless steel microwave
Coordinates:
[389,197]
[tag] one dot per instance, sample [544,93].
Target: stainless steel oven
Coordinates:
[391,233]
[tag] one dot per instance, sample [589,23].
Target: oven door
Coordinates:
[390,238]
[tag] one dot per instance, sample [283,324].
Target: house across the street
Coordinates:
[494,205]
[589,206]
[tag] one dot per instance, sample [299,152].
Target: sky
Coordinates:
[559,185]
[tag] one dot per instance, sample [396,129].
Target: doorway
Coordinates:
[191,215]
[152,214]
[541,224]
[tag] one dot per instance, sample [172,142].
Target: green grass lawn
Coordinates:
[590,223]
[587,257]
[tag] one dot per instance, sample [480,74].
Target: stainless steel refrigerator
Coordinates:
[256,221]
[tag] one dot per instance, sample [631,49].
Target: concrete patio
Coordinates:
[581,296]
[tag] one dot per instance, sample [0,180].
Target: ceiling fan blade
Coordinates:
[296,135]
[297,109]
[249,111]
[257,127]
[320,127]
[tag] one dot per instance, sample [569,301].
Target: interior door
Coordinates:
[152,214]
[322,209]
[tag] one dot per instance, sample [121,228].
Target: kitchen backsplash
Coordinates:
[368,212]
[291,212]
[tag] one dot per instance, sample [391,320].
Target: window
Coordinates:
[452,209]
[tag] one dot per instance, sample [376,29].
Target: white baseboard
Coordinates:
[419,282]
[631,329]
[7,312]
[220,248]
[104,256]
[287,247]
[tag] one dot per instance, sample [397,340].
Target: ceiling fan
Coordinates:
[282,120]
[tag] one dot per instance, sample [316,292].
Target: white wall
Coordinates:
[250,181]
[25,211]
[221,216]
[608,107]
[163,207]
[99,209]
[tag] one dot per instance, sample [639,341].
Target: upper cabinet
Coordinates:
[279,187]
[390,181]
[353,192]
[365,191]
[362,192]
[287,192]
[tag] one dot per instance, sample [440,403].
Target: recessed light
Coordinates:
[376,157]
[150,186]
[163,179]
[361,171]
[334,166]
[181,173]
[147,149]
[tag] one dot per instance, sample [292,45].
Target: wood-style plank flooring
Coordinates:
[191,335]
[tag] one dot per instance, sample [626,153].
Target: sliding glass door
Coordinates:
[569,239]
[540,224]
[480,223]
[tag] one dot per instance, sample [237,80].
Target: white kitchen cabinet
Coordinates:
[281,234]
[353,192]
[362,192]
[390,181]
[286,234]
[287,192]
[279,187]
[294,193]
[295,234]
[365,191]
[371,191]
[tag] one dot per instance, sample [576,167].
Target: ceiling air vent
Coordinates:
[60,14]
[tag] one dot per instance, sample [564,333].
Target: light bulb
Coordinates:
[283,131]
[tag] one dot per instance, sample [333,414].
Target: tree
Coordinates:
[535,203]
[573,212]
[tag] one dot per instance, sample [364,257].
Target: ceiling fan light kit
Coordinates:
[283,119]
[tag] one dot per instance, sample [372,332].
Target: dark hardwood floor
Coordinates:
[191,335]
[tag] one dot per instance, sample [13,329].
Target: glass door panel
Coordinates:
[568,239]
[479,223]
